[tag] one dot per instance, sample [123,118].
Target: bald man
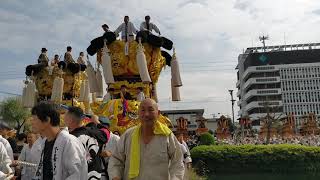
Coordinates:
[147,151]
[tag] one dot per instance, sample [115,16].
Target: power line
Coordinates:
[9,93]
[212,62]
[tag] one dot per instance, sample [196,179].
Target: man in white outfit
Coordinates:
[185,154]
[63,155]
[127,30]
[109,147]
[5,161]
[7,145]
[148,26]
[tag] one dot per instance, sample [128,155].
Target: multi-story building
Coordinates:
[280,80]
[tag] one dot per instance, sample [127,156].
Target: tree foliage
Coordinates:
[14,113]
[206,139]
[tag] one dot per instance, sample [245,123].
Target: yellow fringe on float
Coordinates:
[127,65]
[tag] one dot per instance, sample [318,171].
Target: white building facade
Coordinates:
[279,80]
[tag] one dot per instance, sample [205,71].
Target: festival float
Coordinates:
[133,65]
[310,125]
[288,128]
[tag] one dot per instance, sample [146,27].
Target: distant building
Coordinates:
[279,79]
[190,114]
[212,123]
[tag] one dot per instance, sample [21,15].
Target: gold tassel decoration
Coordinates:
[84,91]
[92,78]
[99,92]
[106,65]
[57,90]
[29,94]
[175,72]
[142,64]
[175,92]
[94,98]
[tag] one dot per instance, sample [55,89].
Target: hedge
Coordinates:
[209,160]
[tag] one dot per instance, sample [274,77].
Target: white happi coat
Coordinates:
[68,159]
[5,161]
[161,159]
[36,149]
[8,147]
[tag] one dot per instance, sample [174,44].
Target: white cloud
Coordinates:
[204,32]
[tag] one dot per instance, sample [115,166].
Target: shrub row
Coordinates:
[285,158]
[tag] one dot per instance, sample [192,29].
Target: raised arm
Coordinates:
[135,30]
[118,30]
[156,29]
[142,27]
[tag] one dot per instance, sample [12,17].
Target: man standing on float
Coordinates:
[127,30]
[148,26]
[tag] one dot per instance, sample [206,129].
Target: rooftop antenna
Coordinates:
[263,38]
[284,39]
[251,41]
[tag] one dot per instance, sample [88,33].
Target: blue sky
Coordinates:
[208,36]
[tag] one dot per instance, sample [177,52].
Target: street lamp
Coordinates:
[232,104]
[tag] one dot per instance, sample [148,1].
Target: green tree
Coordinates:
[206,139]
[14,113]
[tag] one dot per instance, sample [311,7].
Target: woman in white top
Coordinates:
[27,172]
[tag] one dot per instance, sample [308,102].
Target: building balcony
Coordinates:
[239,102]
[238,84]
[254,69]
[261,92]
[257,104]
[238,93]
[261,80]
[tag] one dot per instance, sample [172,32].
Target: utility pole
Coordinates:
[232,104]
[263,39]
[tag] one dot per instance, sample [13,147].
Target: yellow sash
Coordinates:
[159,129]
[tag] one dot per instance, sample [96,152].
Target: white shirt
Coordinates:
[131,29]
[7,145]
[188,158]
[81,60]
[5,161]
[111,144]
[143,27]
[140,96]
[27,172]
